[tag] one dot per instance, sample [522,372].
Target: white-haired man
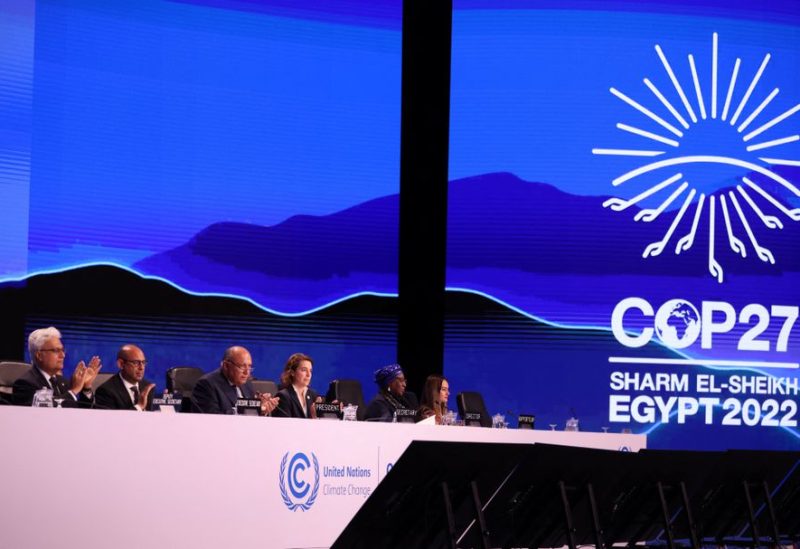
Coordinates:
[47,357]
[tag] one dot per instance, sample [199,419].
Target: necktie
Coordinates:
[135,391]
[54,384]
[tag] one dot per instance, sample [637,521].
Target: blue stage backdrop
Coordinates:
[240,151]
[624,216]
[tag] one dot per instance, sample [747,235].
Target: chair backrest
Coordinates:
[100,379]
[9,372]
[183,379]
[472,402]
[265,386]
[348,391]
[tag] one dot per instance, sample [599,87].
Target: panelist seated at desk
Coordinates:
[296,398]
[392,395]
[47,358]
[218,391]
[127,390]
[435,394]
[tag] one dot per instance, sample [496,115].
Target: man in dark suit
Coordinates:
[218,391]
[127,390]
[47,357]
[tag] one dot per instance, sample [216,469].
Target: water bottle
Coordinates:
[350,412]
[43,398]
[394,417]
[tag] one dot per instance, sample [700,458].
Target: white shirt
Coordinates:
[46,377]
[50,385]
[301,396]
[128,386]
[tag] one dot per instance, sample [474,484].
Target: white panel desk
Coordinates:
[96,478]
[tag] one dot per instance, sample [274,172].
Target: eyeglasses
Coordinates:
[136,362]
[55,350]
[241,367]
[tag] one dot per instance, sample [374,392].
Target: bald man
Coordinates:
[217,392]
[127,390]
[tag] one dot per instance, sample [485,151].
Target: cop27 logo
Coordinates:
[296,492]
[726,131]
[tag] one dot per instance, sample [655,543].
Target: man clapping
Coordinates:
[47,360]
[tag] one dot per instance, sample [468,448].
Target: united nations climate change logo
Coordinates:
[296,492]
[743,127]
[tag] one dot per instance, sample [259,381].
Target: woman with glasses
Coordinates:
[296,397]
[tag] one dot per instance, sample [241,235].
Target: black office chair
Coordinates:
[100,379]
[9,372]
[265,386]
[182,379]
[348,391]
[471,402]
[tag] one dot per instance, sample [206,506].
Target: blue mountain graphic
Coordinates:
[496,221]
[500,221]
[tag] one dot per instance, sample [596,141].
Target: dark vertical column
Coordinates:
[423,186]
[12,338]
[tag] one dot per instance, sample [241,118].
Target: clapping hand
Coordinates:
[268,402]
[90,372]
[143,396]
[83,376]
[313,411]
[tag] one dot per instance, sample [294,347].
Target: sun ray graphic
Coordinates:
[741,207]
[687,241]
[736,245]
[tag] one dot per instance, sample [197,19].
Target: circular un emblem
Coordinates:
[296,492]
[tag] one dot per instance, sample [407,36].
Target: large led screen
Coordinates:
[624,214]
[193,174]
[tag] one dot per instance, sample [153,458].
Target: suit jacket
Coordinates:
[381,409]
[33,380]
[113,395]
[213,394]
[289,405]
